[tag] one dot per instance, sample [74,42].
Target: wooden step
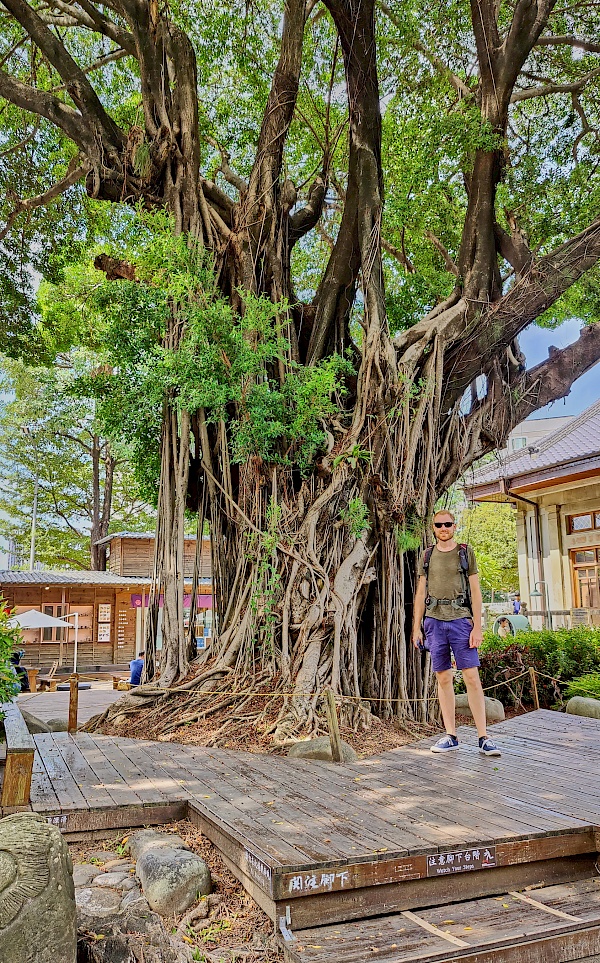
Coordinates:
[553,924]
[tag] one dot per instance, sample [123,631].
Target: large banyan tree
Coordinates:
[410,185]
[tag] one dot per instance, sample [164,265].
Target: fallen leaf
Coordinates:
[506,906]
[448,923]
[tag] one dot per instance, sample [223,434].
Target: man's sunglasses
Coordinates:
[444,524]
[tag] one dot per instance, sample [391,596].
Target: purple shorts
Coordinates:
[443,636]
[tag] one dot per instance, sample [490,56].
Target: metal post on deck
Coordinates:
[73,701]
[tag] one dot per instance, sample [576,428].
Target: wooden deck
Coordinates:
[317,842]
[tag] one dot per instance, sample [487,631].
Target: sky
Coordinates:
[535,342]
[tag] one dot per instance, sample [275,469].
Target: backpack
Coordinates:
[464,572]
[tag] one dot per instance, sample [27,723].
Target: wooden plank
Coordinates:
[18,737]
[107,774]
[370,901]
[546,909]
[42,795]
[165,787]
[433,929]
[67,791]
[92,788]
[482,930]
[16,784]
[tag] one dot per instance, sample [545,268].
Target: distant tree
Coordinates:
[84,482]
[492,531]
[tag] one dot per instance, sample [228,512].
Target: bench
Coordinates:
[20,750]
[47,681]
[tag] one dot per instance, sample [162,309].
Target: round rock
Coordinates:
[494,710]
[580,706]
[97,901]
[320,748]
[145,839]
[172,879]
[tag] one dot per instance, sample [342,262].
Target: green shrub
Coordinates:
[9,640]
[586,685]
[563,655]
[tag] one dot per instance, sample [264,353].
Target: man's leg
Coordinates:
[476,699]
[445,682]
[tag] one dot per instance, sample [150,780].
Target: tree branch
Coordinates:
[98,64]
[537,290]
[434,59]
[46,105]
[589,46]
[230,175]
[552,379]
[30,203]
[77,85]
[449,263]
[303,221]
[550,88]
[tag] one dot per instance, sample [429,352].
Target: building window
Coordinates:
[49,633]
[586,566]
[516,443]
[584,523]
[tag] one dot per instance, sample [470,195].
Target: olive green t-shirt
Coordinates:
[445,582]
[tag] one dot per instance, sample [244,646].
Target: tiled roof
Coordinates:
[68,577]
[571,443]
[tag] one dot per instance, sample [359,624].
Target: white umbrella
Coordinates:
[36,620]
[39,620]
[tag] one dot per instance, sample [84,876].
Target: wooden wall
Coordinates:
[119,624]
[135,557]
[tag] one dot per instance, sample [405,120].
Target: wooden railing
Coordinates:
[20,749]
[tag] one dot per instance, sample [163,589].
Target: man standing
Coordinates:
[449,596]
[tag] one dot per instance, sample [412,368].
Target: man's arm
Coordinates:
[419,611]
[476,637]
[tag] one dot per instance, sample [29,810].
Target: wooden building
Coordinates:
[111,605]
[554,485]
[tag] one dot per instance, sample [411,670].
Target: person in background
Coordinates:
[517,603]
[20,671]
[136,667]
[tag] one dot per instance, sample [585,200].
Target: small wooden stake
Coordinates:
[73,701]
[536,698]
[333,726]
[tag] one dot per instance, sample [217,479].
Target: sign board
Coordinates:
[104,612]
[461,861]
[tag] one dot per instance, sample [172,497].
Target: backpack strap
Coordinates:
[463,554]
[426,560]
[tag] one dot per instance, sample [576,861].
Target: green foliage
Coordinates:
[409,535]
[9,641]
[47,434]
[354,457]
[227,364]
[491,530]
[562,655]
[356,517]
[585,685]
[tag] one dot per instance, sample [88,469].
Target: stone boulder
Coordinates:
[581,706]
[37,898]
[320,748]
[57,725]
[131,934]
[172,879]
[34,724]
[494,710]
[144,839]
